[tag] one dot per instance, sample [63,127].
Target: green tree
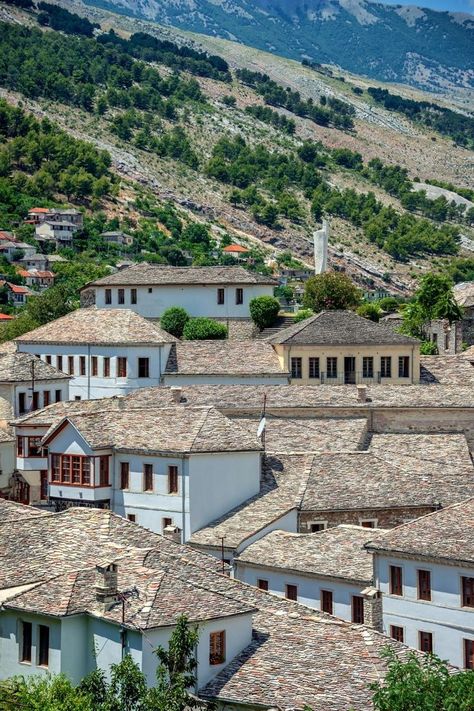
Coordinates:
[204,329]
[43,693]
[330,291]
[434,299]
[369,311]
[264,311]
[174,320]
[422,683]
[302,314]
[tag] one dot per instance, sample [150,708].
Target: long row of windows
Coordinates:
[425,643]
[80,367]
[46,397]
[75,470]
[121,296]
[133,296]
[424,585]
[148,477]
[314,367]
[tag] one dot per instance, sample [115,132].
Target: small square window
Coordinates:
[262,584]
[317,526]
[396,633]
[291,592]
[132,518]
[326,601]
[426,642]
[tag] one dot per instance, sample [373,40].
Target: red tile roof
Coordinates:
[5,317]
[235,248]
[39,210]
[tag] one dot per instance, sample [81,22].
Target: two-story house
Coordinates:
[106,352]
[425,572]
[149,289]
[59,231]
[340,347]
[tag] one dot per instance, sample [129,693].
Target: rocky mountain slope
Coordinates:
[392,43]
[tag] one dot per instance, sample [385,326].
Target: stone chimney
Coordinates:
[362,393]
[106,583]
[176,395]
[173,533]
[373,616]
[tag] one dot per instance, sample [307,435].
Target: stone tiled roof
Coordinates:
[6,435]
[225,358]
[339,328]
[158,275]
[10,511]
[446,534]
[282,487]
[172,429]
[99,326]
[464,293]
[18,367]
[336,552]
[447,370]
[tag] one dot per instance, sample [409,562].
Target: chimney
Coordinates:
[106,583]
[373,610]
[172,533]
[176,395]
[362,393]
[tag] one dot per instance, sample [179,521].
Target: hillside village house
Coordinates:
[117,237]
[425,572]
[106,352]
[14,250]
[339,347]
[149,289]
[16,293]
[255,651]
[60,232]
[37,215]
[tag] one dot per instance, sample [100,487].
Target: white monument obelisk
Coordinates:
[321,239]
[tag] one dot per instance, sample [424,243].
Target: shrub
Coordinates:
[389,303]
[369,311]
[204,329]
[174,320]
[264,310]
[330,291]
[428,348]
[302,314]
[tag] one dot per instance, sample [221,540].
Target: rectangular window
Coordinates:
[291,592]
[262,584]
[132,518]
[217,648]
[70,365]
[143,367]
[318,526]
[133,296]
[396,580]
[59,362]
[386,366]
[148,477]
[48,359]
[43,646]
[367,367]
[58,395]
[108,296]
[358,609]
[469,653]
[94,366]
[404,367]
[35,400]
[172,479]
[66,469]
[106,367]
[239,296]
[396,633]
[467,592]
[82,365]
[55,467]
[220,296]
[331,367]
[314,367]
[121,367]
[104,470]
[368,523]
[19,447]
[76,470]
[124,475]
[424,585]
[26,634]
[166,522]
[121,296]
[296,368]
[86,471]
[326,601]
[21,403]
[425,642]
[46,398]
[34,447]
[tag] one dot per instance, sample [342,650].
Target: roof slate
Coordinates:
[338,328]
[447,370]
[159,275]
[99,326]
[224,358]
[21,367]
[11,511]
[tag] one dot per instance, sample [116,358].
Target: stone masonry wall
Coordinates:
[386,518]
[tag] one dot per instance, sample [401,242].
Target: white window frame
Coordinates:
[375,521]
[314,523]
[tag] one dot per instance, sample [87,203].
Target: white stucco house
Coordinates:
[149,289]
[105,352]
[425,572]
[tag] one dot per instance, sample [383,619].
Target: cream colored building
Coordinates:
[339,347]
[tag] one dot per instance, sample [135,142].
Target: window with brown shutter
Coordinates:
[121,367]
[108,296]
[326,601]
[396,633]
[43,646]
[70,365]
[220,296]
[424,585]
[262,584]
[82,365]
[217,648]
[239,296]
[148,477]
[426,642]
[104,470]
[467,592]
[133,296]
[106,367]
[35,400]
[124,475]
[46,398]
[358,609]
[59,362]
[121,296]
[291,592]
[94,366]
[396,580]
[172,479]
[469,653]
[26,636]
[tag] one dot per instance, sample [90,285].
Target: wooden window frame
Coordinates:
[147,472]
[104,470]
[239,296]
[22,403]
[133,296]
[43,646]
[35,400]
[82,365]
[423,586]
[124,476]
[296,367]
[143,366]
[314,367]
[262,584]
[396,580]
[20,446]
[58,395]
[357,609]
[30,446]
[132,518]
[331,372]
[373,521]
[106,367]
[108,297]
[217,648]
[121,297]
[121,366]
[47,359]
[46,398]
[468,653]
[397,633]
[70,365]
[26,642]
[173,479]
[94,366]
[220,296]
[327,602]
[467,591]
[165,522]
[385,366]
[367,366]
[428,637]
[59,362]
[61,463]
[403,366]
[291,592]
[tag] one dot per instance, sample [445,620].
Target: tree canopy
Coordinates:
[330,291]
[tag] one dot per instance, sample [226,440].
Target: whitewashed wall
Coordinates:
[10,640]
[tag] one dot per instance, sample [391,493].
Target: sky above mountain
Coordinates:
[451,5]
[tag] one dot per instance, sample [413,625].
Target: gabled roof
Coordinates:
[99,326]
[226,358]
[22,367]
[447,534]
[156,274]
[235,248]
[334,328]
[11,510]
